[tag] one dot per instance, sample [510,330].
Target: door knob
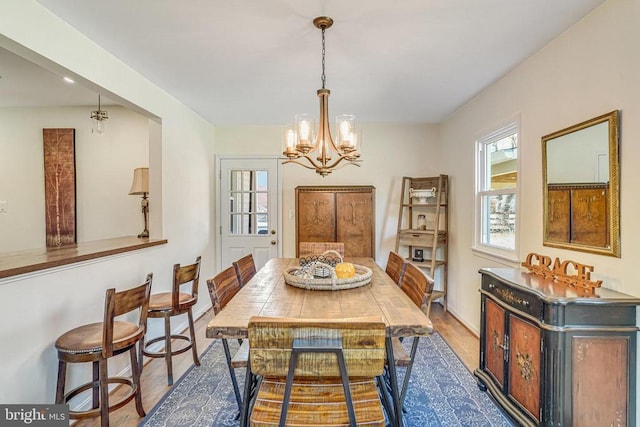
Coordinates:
[273,242]
[273,231]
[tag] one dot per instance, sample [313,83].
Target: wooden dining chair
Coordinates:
[317,248]
[222,287]
[166,305]
[316,372]
[418,287]
[245,269]
[395,267]
[96,343]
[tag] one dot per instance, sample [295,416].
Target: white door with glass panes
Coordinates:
[248,206]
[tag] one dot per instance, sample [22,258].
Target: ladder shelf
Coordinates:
[422,235]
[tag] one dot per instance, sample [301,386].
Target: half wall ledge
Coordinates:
[29,261]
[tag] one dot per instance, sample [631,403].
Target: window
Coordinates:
[497,191]
[249,202]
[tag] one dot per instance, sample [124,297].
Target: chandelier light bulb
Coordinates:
[291,138]
[344,128]
[305,129]
[346,132]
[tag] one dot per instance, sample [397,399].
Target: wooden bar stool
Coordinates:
[165,305]
[96,343]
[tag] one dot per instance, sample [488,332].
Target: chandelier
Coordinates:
[319,152]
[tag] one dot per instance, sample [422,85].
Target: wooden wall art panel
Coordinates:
[60,186]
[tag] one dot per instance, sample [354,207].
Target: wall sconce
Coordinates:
[140,185]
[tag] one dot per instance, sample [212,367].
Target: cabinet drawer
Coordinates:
[521,301]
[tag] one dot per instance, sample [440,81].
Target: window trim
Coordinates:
[497,132]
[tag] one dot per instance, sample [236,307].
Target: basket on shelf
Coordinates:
[318,272]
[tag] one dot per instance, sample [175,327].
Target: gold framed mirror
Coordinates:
[581,176]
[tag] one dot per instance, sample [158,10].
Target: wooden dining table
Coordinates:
[267,294]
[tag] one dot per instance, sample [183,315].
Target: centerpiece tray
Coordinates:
[302,277]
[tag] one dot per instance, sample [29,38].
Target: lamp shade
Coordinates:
[140,184]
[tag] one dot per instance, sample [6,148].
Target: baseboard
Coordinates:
[466,325]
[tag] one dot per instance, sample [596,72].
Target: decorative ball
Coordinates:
[345,270]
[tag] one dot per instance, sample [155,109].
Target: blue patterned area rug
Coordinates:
[442,392]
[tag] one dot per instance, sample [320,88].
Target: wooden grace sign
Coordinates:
[561,271]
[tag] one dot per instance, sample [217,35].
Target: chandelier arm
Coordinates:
[338,161]
[310,159]
[317,165]
[298,162]
[354,163]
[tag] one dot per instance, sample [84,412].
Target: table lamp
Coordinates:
[140,185]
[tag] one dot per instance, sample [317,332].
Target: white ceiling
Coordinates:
[259,61]
[24,84]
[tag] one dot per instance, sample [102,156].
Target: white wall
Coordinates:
[104,171]
[390,152]
[589,70]
[38,308]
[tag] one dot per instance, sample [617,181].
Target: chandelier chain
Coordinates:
[324,77]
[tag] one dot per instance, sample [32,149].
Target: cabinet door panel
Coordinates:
[524,365]
[354,223]
[494,353]
[600,381]
[316,219]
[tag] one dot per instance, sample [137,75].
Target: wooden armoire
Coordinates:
[337,214]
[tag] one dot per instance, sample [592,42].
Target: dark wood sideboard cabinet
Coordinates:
[552,357]
[337,214]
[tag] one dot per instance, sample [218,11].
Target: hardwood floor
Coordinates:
[465,344]
[154,375]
